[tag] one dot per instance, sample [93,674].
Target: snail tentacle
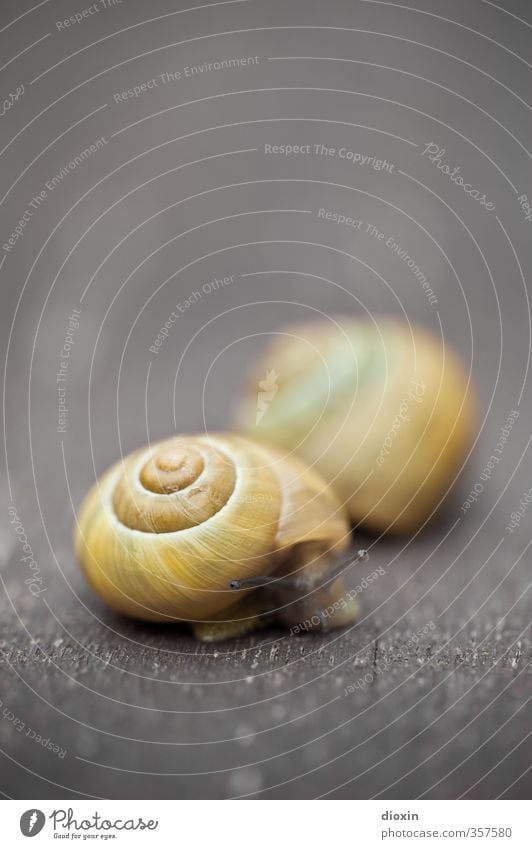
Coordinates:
[286,581]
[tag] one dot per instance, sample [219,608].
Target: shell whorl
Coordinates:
[179,485]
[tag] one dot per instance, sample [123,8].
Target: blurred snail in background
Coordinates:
[220,532]
[381,409]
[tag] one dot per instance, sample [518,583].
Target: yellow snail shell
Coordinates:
[382,409]
[163,534]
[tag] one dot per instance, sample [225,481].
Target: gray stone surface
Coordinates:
[429,695]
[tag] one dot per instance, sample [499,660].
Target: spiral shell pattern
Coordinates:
[162,533]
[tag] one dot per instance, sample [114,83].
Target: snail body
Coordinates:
[382,409]
[218,531]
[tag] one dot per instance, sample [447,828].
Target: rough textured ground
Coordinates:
[430,694]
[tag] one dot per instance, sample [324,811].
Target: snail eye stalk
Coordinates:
[288,582]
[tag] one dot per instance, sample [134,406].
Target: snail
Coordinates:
[218,531]
[382,409]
